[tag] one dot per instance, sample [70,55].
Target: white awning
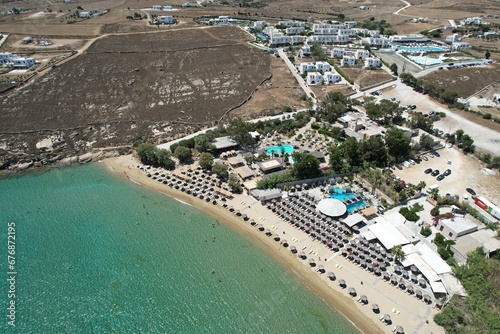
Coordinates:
[438,287]
[387,234]
[353,219]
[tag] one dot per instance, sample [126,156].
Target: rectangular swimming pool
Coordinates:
[341,196]
[279,149]
[356,205]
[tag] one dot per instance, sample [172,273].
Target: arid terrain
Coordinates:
[133,87]
[367,78]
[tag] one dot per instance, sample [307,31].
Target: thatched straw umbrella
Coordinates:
[331,276]
[399,330]
[375,308]
[352,291]
[342,283]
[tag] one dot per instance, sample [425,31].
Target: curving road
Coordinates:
[399,10]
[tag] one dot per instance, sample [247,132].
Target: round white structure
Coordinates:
[331,207]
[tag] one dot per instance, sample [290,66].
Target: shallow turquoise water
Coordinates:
[342,196]
[420,48]
[95,254]
[279,149]
[356,205]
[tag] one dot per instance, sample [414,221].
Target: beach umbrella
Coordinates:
[363,299]
[312,263]
[427,298]
[413,278]
[402,285]
[422,283]
[418,293]
[244,216]
[302,255]
[331,276]
[378,272]
[293,249]
[352,291]
[375,307]
[387,318]
[252,222]
[261,227]
[285,243]
[268,232]
[414,269]
[386,275]
[321,269]
[410,289]
[399,330]
[439,304]
[342,283]
[276,237]
[405,274]
[394,281]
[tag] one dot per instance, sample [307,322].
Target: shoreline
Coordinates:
[361,316]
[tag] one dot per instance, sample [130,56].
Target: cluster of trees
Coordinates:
[149,154]
[317,52]
[136,16]
[444,247]
[447,96]
[387,111]
[333,106]
[410,213]
[381,26]
[463,140]
[479,312]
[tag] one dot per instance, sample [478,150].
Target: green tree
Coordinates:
[352,152]
[394,68]
[487,55]
[449,96]
[234,184]
[390,110]
[398,145]
[398,252]
[333,106]
[149,154]
[373,110]
[220,170]
[468,144]
[435,211]
[426,141]
[239,130]
[459,134]
[374,151]
[306,165]
[434,193]
[183,154]
[206,161]
[203,143]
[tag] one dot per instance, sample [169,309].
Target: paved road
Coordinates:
[297,76]
[477,62]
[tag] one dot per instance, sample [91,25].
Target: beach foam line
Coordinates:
[138,183]
[178,200]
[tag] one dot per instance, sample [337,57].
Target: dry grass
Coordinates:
[465,81]
[365,78]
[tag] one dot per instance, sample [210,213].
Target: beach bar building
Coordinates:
[223,144]
[271,166]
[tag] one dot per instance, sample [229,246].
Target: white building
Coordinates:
[350,24]
[452,38]
[259,25]
[331,77]
[326,29]
[323,66]
[412,38]
[157,7]
[292,23]
[165,19]
[461,46]
[329,39]
[295,30]
[188,5]
[362,54]
[10,59]
[348,61]
[372,62]
[455,227]
[306,67]
[376,41]
[277,38]
[314,78]
[471,20]
[85,15]
[336,52]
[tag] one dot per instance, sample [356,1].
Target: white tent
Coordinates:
[387,234]
[353,219]
[438,287]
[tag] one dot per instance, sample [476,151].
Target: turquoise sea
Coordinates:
[96,254]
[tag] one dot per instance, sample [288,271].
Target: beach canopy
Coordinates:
[363,299]
[331,207]
[387,318]
[352,291]
[341,282]
[399,330]
[375,306]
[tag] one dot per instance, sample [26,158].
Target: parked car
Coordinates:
[423,157]
[447,172]
[411,161]
[399,166]
[435,173]
[428,171]
[436,154]
[471,191]
[440,177]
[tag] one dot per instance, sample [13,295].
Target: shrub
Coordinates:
[425,231]
[435,211]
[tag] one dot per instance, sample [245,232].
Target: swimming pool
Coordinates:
[337,190]
[279,149]
[341,196]
[420,49]
[261,37]
[424,60]
[356,205]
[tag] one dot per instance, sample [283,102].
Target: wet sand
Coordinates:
[413,313]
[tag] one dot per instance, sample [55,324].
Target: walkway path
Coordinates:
[399,10]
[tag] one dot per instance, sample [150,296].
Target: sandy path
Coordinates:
[413,312]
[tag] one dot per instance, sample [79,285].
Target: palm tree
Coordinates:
[398,252]
[421,185]
[434,193]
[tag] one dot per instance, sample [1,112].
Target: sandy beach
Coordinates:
[405,310]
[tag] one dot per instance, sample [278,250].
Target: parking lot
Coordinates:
[465,172]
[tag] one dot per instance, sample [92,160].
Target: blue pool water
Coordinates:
[278,149]
[420,48]
[337,190]
[356,205]
[424,60]
[261,37]
[341,196]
